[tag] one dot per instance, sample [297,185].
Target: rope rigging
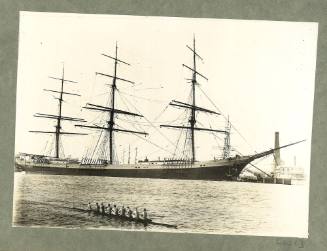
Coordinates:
[189,134]
[147,99]
[180,135]
[154,144]
[232,125]
[149,121]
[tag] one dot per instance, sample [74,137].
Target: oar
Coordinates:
[158,216]
[163,224]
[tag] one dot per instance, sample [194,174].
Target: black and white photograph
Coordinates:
[164,124]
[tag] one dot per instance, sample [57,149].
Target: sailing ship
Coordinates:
[186,167]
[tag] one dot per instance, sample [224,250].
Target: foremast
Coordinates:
[59,118]
[193,107]
[112,110]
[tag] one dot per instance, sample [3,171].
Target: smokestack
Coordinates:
[277,152]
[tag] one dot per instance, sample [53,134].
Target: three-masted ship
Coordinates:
[225,168]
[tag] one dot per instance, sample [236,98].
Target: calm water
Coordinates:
[195,206]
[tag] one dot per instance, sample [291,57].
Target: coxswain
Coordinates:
[89,207]
[98,207]
[145,214]
[102,208]
[123,211]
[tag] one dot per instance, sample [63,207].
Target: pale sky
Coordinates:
[261,74]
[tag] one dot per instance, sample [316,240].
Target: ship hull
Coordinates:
[225,170]
[222,169]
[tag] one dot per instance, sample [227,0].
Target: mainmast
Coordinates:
[193,107]
[192,118]
[59,117]
[112,110]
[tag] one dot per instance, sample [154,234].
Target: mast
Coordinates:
[227,146]
[112,110]
[59,117]
[58,127]
[135,155]
[129,154]
[123,156]
[192,118]
[193,107]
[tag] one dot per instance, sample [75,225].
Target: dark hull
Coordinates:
[226,172]
[224,169]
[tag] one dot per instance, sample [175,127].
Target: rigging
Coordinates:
[59,118]
[193,107]
[112,110]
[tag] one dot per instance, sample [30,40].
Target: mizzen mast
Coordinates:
[227,145]
[193,107]
[112,110]
[59,118]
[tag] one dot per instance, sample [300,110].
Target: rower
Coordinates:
[109,209]
[115,210]
[129,213]
[137,214]
[123,211]
[89,207]
[145,214]
[98,207]
[102,208]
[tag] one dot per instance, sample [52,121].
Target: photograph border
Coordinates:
[67,239]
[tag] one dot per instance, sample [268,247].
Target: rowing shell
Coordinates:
[125,218]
